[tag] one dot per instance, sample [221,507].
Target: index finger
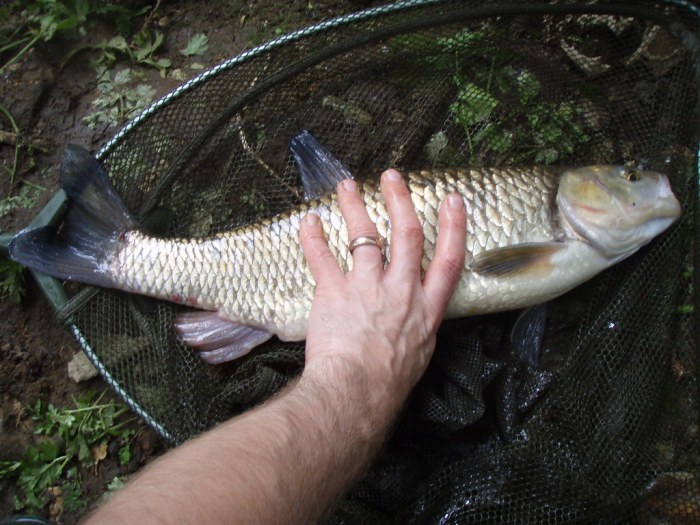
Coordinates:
[447,265]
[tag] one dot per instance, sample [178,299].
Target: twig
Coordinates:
[259,160]
[15,162]
[150,17]
[253,153]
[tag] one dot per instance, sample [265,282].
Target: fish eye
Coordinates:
[630,174]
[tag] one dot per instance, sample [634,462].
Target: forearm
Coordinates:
[288,461]
[371,334]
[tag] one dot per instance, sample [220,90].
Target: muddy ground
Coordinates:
[48,101]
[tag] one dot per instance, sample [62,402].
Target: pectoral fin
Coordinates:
[216,338]
[516,260]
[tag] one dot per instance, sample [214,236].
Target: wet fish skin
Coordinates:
[257,275]
[532,234]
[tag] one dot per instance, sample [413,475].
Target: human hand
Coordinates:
[371,332]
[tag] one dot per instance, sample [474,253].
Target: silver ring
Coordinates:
[364,241]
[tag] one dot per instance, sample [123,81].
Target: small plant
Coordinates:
[27,197]
[27,24]
[197,45]
[118,99]
[255,201]
[11,280]
[536,130]
[500,102]
[141,50]
[70,439]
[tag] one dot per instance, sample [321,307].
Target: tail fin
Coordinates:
[96,218]
[320,170]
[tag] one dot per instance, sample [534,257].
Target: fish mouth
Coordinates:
[667,204]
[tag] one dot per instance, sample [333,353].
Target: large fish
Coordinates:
[532,235]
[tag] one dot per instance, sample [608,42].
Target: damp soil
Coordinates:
[49,99]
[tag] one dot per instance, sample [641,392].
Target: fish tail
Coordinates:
[92,229]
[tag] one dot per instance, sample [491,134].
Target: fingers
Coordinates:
[406,229]
[368,257]
[447,265]
[318,256]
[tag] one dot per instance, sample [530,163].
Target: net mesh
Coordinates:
[604,429]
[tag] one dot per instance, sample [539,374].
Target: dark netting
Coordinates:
[604,428]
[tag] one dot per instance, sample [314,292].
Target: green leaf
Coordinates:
[528,87]
[72,494]
[48,451]
[115,484]
[72,434]
[122,77]
[11,280]
[197,45]
[118,43]
[124,454]
[161,63]
[82,10]
[474,105]
[8,468]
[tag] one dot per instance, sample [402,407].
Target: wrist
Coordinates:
[366,406]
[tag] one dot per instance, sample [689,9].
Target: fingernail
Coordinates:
[455,201]
[392,175]
[311,219]
[349,185]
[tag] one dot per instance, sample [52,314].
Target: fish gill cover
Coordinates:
[599,423]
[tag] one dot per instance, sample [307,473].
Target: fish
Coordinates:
[533,233]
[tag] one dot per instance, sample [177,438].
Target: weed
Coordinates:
[500,102]
[27,197]
[255,201]
[72,438]
[11,280]
[118,99]
[197,45]
[17,145]
[141,50]
[41,20]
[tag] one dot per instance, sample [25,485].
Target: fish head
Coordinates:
[616,209]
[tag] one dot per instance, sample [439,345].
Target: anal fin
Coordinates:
[216,338]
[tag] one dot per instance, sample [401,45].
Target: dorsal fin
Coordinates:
[320,170]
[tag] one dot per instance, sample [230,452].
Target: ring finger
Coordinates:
[366,255]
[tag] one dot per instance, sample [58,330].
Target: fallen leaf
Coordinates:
[99,452]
